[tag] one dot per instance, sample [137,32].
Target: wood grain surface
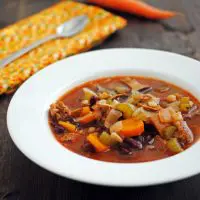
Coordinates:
[21,179]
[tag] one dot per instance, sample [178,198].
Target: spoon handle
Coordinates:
[21,52]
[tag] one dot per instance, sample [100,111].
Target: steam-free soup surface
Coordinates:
[126,119]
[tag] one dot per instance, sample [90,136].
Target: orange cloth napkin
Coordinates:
[26,31]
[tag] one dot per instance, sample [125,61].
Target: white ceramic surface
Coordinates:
[28,127]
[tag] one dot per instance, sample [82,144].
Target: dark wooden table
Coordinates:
[20,179]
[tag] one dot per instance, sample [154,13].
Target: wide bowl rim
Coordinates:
[11,116]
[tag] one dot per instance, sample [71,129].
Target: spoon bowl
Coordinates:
[72,26]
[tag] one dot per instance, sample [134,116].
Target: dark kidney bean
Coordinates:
[93,100]
[122,99]
[145,90]
[87,147]
[125,151]
[124,145]
[140,138]
[151,141]
[148,138]
[53,120]
[136,144]
[125,148]
[59,129]
[103,128]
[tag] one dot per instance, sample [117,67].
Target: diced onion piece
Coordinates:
[116,127]
[112,117]
[122,89]
[152,98]
[168,115]
[91,129]
[156,100]
[174,146]
[152,103]
[116,138]
[165,115]
[114,103]
[141,114]
[133,84]
[88,93]
[85,102]
[135,97]
[175,105]
[191,103]
[103,103]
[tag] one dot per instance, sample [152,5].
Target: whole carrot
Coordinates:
[135,7]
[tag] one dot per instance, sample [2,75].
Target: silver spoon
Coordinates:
[67,29]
